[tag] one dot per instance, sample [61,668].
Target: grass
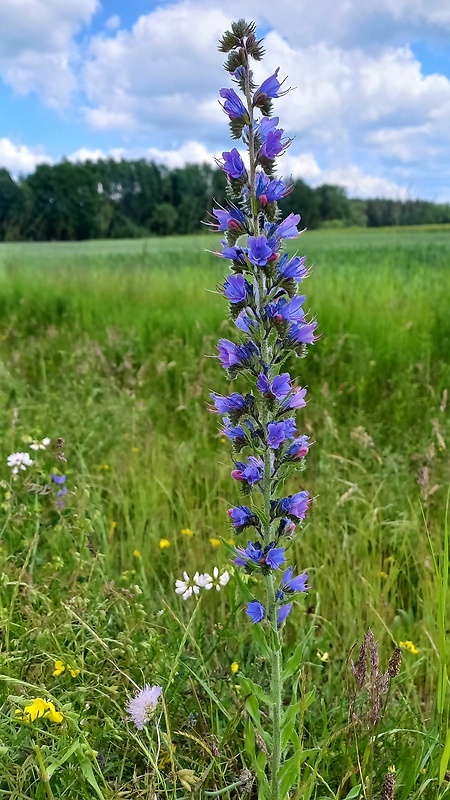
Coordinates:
[105,344]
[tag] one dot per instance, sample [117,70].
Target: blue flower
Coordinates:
[249,473]
[226,405]
[302,333]
[281,385]
[233,164]
[265,126]
[288,228]
[58,479]
[299,448]
[278,432]
[276,190]
[233,105]
[260,251]
[283,613]
[243,321]
[275,557]
[290,584]
[233,433]
[254,553]
[291,311]
[270,87]
[293,269]
[297,399]
[296,505]
[236,254]
[255,611]
[229,353]
[273,146]
[236,288]
[241,516]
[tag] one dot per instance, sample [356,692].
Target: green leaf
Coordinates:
[54,764]
[293,663]
[353,793]
[289,773]
[88,772]
[249,740]
[249,686]
[444,760]
[260,638]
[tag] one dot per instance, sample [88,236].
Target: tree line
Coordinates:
[118,199]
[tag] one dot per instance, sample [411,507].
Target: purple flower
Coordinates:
[225,405]
[233,433]
[291,311]
[273,146]
[233,105]
[228,218]
[283,613]
[260,251]
[281,385]
[59,495]
[255,611]
[288,228]
[263,383]
[293,269]
[302,333]
[243,321]
[233,164]
[229,355]
[271,86]
[276,190]
[249,473]
[297,399]
[275,557]
[296,505]
[291,584]
[299,447]
[265,126]
[278,432]
[57,478]
[235,288]
[141,707]
[241,516]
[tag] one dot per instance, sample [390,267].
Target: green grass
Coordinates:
[106,344]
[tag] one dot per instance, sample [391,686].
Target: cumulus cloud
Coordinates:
[37,48]
[19,159]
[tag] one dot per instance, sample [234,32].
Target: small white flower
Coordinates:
[188,585]
[217,579]
[40,445]
[19,461]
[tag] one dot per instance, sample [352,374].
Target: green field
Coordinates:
[108,345]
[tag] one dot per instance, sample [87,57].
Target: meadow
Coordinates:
[108,346]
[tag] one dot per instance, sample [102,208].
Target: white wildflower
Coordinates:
[40,445]
[188,585]
[143,704]
[19,461]
[217,579]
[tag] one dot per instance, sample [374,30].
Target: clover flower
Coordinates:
[141,707]
[217,580]
[19,461]
[188,586]
[40,444]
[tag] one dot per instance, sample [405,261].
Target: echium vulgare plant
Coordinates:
[268,310]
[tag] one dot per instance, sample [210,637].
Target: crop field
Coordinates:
[107,346]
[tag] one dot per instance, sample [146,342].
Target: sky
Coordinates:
[369,110]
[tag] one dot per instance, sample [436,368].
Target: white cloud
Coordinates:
[37,48]
[189,153]
[20,159]
[112,23]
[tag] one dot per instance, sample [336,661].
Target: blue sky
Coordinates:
[133,78]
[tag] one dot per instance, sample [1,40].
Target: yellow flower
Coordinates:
[137,553]
[323,656]
[234,667]
[164,543]
[73,671]
[215,542]
[59,668]
[230,541]
[187,532]
[408,645]
[104,466]
[135,449]
[384,575]
[37,709]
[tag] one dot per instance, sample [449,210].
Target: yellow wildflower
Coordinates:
[73,671]
[137,553]
[215,542]
[112,529]
[37,709]
[164,543]
[104,466]
[187,532]
[230,541]
[59,668]
[408,645]
[323,656]
[135,449]
[384,575]
[234,667]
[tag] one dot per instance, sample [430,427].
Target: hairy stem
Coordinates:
[269,580]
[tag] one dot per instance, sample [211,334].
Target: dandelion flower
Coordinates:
[163,543]
[188,585]
[143,705]
[215,542]
[137,553]
[19,461]
[217,579]
[187,532]
[235,667]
